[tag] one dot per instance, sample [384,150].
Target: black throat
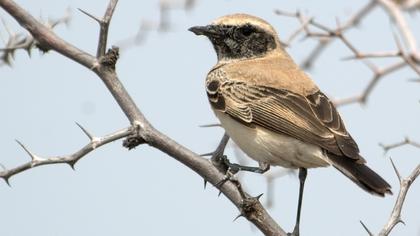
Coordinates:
[245,41]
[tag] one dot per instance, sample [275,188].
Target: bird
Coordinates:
[273,110]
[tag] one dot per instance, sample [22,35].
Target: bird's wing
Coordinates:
[311,119]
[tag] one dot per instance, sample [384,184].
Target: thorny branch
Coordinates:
[325,35]
[395,217]
[104,26]
[94,142]
[17,41]
[405,184]
[323,43]
[406,141]
[104,67]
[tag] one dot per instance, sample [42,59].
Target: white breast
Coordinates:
[266,146]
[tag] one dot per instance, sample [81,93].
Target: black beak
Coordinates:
[208,30]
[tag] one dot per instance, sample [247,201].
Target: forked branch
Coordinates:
[255,212]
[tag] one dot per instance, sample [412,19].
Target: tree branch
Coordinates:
[406,141]
[323,43]
[325,34]
[395,13]
[254,212]
[71,159]
[104,26]
[405,184]
[17,41]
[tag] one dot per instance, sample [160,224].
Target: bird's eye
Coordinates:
[246,30]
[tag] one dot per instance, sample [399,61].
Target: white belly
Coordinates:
[272,148]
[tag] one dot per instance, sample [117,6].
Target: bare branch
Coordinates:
[324,35]
[402,25]
[406,141]
[378,75]
[67,159]
[395,217]
[18,41]
[254,212]
[103,34]
[104,26]
[324,42]
[365,55]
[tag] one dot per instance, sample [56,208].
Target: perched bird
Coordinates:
[272,110]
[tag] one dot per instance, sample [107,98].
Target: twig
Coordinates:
[395,13]
[17,41]
[406,141]
[338,33]
[104,26]
[378,75]
[324,35]
[366,55]
[405,184]
[94,142]
[323,43]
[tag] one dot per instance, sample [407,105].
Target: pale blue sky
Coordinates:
[144,192]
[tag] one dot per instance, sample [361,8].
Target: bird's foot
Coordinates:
[235,168]
[230,176]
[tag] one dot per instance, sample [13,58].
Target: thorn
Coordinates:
[85,131]
[7,182]
[207,154]
[6,179]
[90,15]
[220,193]
[29,51]
[366,228]
[210,125]
[205,183]
[396,170]
[71,164]
[238,216]
[401,221]
[259,196]
[33,156]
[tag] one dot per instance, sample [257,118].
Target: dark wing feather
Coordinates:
[312,119]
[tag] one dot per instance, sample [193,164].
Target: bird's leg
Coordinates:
[223,164]
[302,177]
[217,157]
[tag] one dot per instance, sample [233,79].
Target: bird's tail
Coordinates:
[360,174]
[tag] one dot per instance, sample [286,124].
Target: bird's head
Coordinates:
[239,36]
